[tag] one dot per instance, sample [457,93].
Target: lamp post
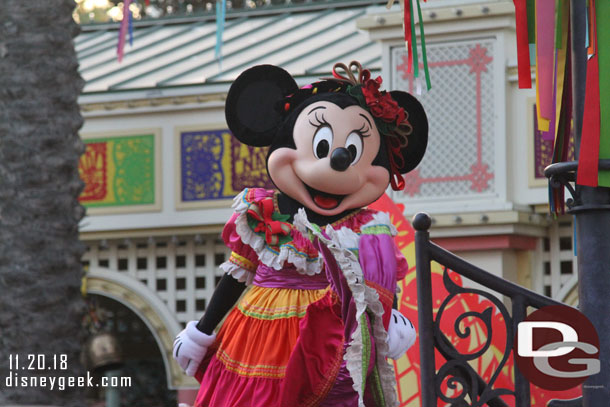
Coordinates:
[591,209]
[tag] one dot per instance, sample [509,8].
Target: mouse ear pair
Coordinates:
[251,106]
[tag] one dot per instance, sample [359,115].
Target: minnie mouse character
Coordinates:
[317,323]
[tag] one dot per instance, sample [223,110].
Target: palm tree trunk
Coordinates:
[40,271]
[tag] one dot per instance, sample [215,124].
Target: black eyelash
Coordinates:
[320,123]
[363,131]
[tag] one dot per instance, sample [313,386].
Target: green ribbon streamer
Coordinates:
[602,12]
[414,41]
[531,21]
[423,46]
[559,141]
[558,23]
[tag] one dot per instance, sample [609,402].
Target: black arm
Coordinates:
[225,296]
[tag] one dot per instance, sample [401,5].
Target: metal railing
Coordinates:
[475,391]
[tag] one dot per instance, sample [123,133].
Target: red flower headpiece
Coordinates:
[381,104]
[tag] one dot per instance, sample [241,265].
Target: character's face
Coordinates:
[331,169]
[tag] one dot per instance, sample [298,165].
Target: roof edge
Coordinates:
[231,14]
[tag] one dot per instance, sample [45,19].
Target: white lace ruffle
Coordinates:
[239,273]
[339,244]
[348,238]
[266,256]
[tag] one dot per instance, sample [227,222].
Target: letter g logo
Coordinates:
[593,365]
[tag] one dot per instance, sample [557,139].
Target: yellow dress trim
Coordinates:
[242,262]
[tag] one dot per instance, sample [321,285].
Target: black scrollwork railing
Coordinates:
[468,388]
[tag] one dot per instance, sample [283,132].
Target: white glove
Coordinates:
[190,347]
[401,335]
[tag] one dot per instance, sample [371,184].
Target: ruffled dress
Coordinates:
[311,329]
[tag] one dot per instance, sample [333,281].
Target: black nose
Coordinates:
[340,159]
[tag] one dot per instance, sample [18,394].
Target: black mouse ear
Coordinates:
[418,139]
[251,103]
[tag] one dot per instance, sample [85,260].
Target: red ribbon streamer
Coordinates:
[396,161]
[523,51]
[589,142]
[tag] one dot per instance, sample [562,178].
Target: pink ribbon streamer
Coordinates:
[550,134]
[122,30]
[545,42]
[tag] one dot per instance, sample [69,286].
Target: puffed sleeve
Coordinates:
[243,262]
[402,267]
[380,257]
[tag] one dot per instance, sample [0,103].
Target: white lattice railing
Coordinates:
[182,270]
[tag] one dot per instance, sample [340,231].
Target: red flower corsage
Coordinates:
[380,103]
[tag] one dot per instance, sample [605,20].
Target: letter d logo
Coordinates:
[525,332]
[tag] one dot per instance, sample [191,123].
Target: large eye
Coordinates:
[322,142]
[354,146]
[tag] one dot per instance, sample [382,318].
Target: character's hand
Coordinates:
[190,347]
[401,335]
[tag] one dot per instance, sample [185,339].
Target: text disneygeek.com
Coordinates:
[24,369]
